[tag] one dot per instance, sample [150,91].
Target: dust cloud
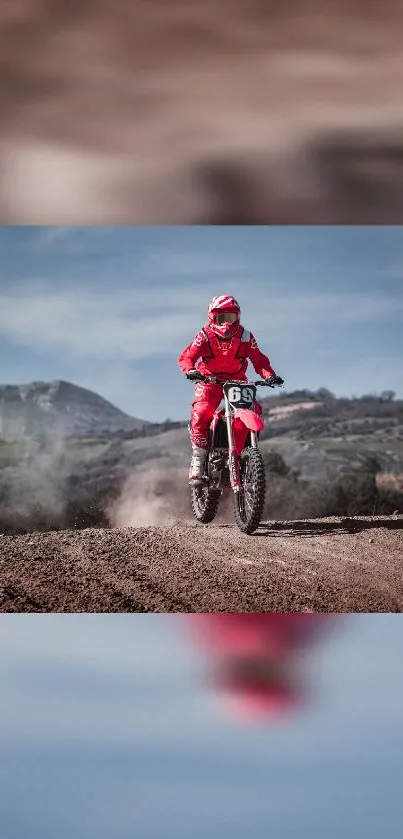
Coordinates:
[159,495]
[152,496]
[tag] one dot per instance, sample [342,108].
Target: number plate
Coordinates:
[240,395]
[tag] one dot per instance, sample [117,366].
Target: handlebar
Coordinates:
[264,383]
[213,380]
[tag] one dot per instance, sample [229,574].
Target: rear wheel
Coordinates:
[249,501]
[205,497]
[204,501]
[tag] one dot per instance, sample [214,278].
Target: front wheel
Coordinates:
[249,501]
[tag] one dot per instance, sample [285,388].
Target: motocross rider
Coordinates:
[223,348]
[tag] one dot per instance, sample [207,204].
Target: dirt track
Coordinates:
[318,565]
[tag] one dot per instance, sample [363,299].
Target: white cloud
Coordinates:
[139,323]
[115,324]
[69,240]
[392,272]
[161,262]
[50,235]
[100,338]
[285,310]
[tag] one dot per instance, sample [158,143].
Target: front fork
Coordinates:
[233,460]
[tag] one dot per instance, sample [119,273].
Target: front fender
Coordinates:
[248,418]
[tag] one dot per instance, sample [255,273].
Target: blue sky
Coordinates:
[111,308]
[105,732]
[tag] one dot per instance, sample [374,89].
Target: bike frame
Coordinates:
[234,430]
[239,422]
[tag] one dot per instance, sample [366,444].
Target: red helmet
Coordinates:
[224,314]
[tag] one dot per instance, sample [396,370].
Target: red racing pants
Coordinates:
[207,399]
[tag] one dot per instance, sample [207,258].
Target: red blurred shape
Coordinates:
[255,658]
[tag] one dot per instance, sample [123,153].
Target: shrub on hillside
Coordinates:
[354,492]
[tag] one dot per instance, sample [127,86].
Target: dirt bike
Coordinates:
[234,460]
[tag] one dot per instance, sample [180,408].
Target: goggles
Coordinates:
[226,317]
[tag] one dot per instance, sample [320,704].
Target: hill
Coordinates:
[321,435]
[324,456]
[58,409]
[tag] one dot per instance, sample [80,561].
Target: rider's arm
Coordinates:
[260,361]
[191,354]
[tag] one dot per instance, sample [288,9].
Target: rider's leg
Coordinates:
[207,399]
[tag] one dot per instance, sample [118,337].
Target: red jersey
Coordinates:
[225,358]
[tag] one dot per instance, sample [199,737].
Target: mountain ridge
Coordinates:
[59,408]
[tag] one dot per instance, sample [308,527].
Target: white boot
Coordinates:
[197,465]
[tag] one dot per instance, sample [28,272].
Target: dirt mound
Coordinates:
[329,565]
